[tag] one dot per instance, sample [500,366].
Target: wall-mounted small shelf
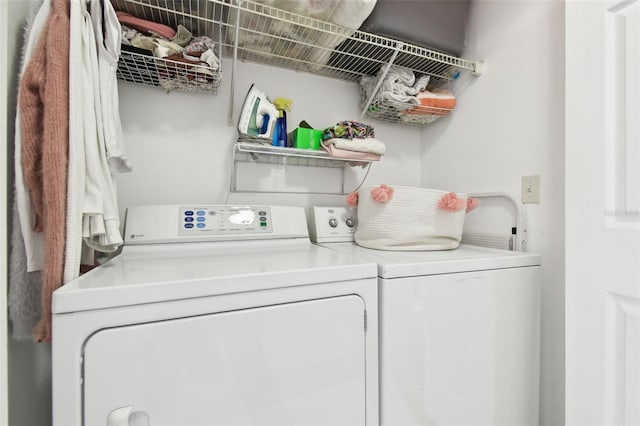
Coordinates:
[259,153]
[309,154]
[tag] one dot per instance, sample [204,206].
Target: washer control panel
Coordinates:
[220,220]
[332,224]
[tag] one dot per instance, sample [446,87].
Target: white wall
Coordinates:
[509,123]
[180,143]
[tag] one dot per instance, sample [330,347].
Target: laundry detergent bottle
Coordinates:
[280,132]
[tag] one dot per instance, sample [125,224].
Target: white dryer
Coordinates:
[218,315]
[459,329]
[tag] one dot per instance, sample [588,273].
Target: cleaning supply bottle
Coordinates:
[280,131]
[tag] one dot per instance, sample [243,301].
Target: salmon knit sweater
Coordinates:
[44,106]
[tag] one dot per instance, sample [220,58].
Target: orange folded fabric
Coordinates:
[147,27]
[435,102]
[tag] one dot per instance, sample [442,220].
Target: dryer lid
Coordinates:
[139,278]
[466,258]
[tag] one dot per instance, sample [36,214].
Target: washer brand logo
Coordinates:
[132,236]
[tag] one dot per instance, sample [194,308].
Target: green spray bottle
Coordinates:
[280,131]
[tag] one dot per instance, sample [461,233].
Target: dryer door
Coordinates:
[299,363]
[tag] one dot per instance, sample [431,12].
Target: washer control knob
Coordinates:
[350,222]
[333,222]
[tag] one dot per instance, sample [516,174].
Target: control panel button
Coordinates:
[350,222]
[209,221]
[333,222]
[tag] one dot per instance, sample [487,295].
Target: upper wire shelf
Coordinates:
[251,31]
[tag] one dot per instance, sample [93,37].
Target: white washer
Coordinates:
[459,329]
[218,315]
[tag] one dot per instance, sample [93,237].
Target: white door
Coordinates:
[299,363]
[602,213]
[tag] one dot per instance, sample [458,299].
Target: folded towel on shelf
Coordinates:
[367,145]
[399,86]
[366,157]
[438,98]
[437,102]
[369,83]
[147,27]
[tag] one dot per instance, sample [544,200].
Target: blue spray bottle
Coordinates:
[280,130]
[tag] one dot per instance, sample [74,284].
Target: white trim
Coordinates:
[4,76]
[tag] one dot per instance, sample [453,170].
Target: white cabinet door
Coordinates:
[602,205]
[460,349]
[298,363]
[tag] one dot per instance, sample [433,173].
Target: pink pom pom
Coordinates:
[472,203]
[451,203]
[352,199]
[382,194]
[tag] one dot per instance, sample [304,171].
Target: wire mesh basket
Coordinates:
[168,74]
[400,112]
[199,17]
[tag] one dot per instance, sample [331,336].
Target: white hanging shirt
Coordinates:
[76,166]
[100,223]
[108,45]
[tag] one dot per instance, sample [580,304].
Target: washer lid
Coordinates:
[206,269]
[466,258]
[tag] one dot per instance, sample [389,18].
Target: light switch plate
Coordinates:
[531,189]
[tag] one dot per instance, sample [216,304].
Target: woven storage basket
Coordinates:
[411,220]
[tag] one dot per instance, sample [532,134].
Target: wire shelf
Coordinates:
[246,30]
[249,151]
[168,74]
[401,112]
[277,37]
[197,16]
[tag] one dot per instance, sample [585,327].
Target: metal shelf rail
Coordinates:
[254,152]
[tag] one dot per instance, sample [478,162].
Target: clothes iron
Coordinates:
[258,116]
